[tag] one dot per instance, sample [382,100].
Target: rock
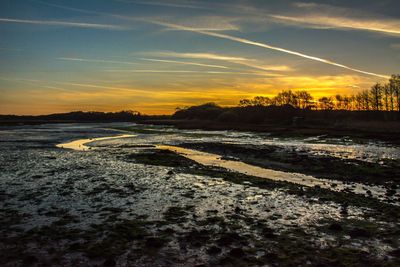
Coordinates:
[29,260]
[343,210]
[336,227]
[237,253]
[213,250]
[395,253]
[154,242]
[238,210]
[109,263]
[359,232]
[268,233]
[390,192]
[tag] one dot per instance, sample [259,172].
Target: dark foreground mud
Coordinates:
[128,204]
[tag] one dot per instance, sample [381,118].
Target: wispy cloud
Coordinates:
[232,59]
[65,23]
[200,56]
[181,4]
[194,72]
[184,63]
[235,39]
[395,46]
[264,45]
[142,59]
[206,22]
[96,60]
[391,27]
[314,15]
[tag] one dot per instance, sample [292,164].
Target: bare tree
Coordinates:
[376,96]
[261,101]
[326,103]
[394,84]
[386,96]
[244,103]
[304,99]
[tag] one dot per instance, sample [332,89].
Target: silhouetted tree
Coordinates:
[304,99]
[326,103]
[386,96]
[394,84]
[376,96]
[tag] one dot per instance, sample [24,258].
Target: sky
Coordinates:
[154,56]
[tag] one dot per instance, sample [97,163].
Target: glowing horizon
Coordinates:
[60,56]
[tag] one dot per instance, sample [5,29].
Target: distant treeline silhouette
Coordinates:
[384,97]
[380,103]
[80,116]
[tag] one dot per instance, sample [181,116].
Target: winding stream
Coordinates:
[209,159]
[80,144]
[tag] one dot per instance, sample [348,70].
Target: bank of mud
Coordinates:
[127,203]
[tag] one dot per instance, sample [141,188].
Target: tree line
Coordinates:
[380,97]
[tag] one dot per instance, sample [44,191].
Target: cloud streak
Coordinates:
[390,27]
[200,56]
[183,63]
[325,16]
[142,59]
[236,39]
[236,60]
[65,24]
[264,45]
[196,72]
[165,4]
[96,60]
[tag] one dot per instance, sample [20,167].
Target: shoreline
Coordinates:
[389,133]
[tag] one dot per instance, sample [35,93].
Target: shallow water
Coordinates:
[209,159]
[344,148]
[43,183]
[81,144]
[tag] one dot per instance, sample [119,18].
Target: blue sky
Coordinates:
[153,56]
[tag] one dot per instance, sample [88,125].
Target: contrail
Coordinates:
[96,60]
[200,56]
[198,72]
[184,63]
[232,38]
[163,4]
[235,60]
[263,45]
[64,23]
[144,59]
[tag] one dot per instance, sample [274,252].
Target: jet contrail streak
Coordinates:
[64,23]
[263,45]
[184,63]
[232,38]
[96,60]
[198,72]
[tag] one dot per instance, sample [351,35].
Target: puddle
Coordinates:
[214,160]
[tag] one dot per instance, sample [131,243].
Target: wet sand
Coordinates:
[214,160]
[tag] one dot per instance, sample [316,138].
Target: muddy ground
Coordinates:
[127,203]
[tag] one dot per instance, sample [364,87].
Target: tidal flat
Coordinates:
[128,201]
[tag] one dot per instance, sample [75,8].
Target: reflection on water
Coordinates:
[215,160]
[81,143]
[209,159]
[344,148]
